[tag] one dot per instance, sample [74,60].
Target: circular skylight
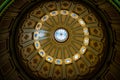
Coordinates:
[61,35]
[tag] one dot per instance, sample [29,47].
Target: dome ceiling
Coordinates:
[61,40]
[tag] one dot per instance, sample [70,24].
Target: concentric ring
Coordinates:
[62,35]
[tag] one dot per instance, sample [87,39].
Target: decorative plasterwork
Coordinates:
[62,35]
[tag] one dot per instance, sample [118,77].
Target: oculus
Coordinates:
[61,35]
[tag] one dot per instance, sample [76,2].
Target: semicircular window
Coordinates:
[61,40]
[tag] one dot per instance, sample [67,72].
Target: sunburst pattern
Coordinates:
[61,34]
[64,34]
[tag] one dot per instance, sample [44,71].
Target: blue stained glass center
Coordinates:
[61,35]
